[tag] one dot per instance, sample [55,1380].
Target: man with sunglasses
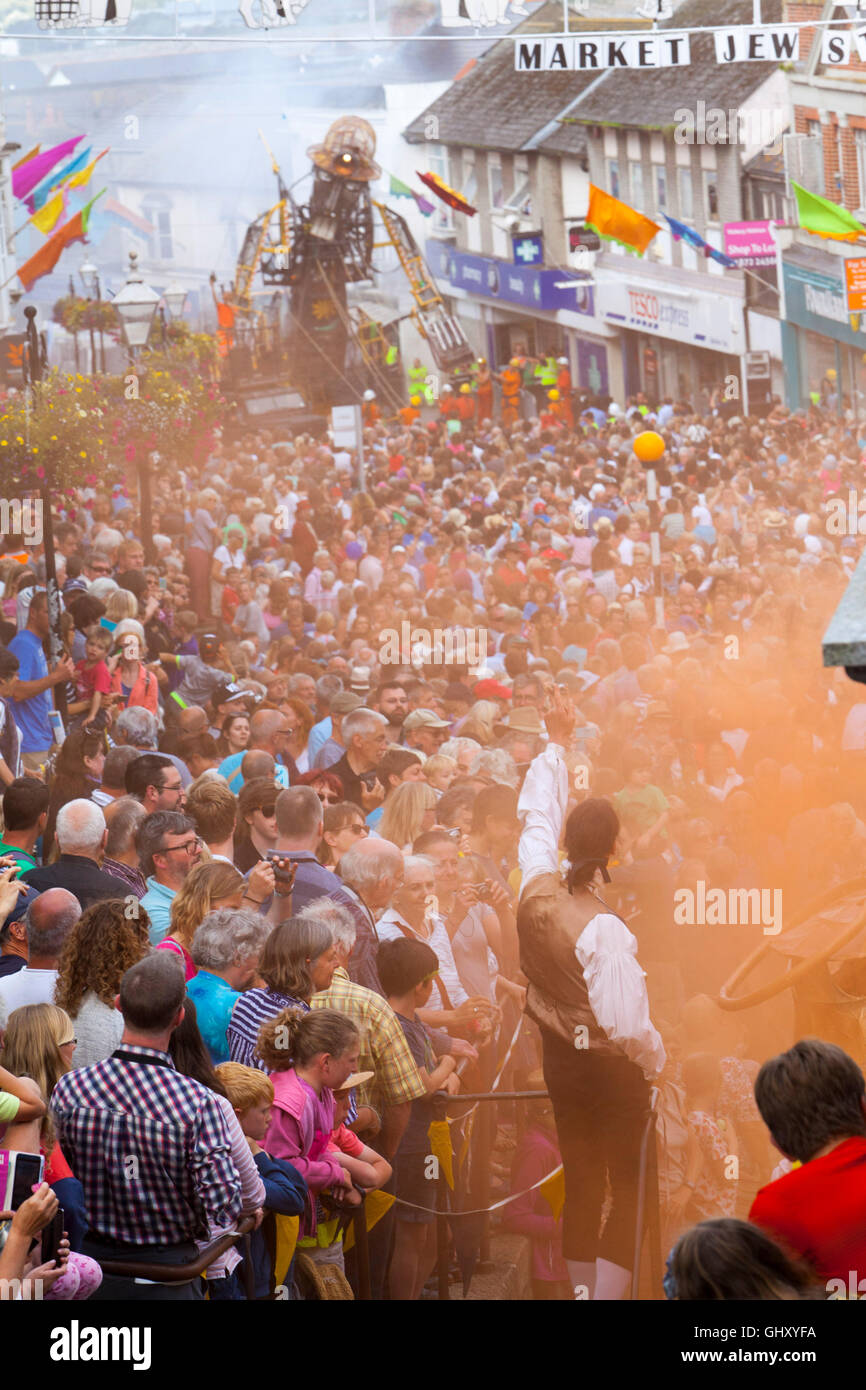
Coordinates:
[168,848]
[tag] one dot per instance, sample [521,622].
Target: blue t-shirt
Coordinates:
[214,1001]
[230,768]
[31,715]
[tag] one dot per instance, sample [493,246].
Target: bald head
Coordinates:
[49,920]
[192,720]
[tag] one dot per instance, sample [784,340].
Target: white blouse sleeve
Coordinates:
[607,953]
[542,804]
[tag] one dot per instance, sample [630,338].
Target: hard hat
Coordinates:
[369,395]
[553,395]
[415,400]
[466,389]
[563,361]
[446,386]
[515,362]
[482,362]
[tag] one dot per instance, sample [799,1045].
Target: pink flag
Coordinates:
[28,175]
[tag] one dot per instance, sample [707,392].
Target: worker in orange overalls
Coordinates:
[370,410]
[552,415]
[563,386]
[511,380]
[466,405]
[411,412]
[483,390]
[448,403]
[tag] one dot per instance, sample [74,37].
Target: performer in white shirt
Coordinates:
[587,993]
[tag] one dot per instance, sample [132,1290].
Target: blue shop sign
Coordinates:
[817,302]
[490,278]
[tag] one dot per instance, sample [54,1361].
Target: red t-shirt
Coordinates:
[819,1210]
[91,678]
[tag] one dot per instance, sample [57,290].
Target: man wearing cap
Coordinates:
[424,731]
[201,675]
[332,750]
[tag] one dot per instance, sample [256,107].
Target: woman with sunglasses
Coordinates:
[327,785]
[344,827]
[256,827]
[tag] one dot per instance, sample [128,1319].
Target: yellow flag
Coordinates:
[47,217]
[287,1239]
[553,1192]
[376,1204]
[83,176]
[440,1146]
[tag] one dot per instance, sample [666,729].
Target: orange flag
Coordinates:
[48,255]
[611,218]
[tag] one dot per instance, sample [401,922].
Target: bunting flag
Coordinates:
[42,192]
[425,207]
[398,189]
[82,178]
[47,217]
[448,195]
[25,158]
[687,234]
[823,218]
[28,175]
[616,221]
[46,258]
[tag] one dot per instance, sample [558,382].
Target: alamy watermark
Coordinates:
[417,646]
[762,126]
[729,907]
[22,517]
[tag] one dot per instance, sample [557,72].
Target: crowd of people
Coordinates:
[367,798]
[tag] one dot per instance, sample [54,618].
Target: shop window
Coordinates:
[687,202]
[711,196]
[636,180]
[613,177]
[661,183]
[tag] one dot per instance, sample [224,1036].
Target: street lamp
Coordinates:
[175,297]
[136,305]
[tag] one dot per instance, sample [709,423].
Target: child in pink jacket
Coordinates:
[308,1056]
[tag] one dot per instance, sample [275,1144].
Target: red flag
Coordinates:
[48,255]
[448,195]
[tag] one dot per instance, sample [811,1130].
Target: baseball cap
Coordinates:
[231,694]
[424,719]
[492,690]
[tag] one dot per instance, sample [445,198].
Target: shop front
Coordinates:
[510,310]
[679,342]
[823,346]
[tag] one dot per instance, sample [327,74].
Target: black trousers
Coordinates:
[114,1288]
[601,1104]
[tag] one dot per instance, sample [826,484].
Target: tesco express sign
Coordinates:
[700,317]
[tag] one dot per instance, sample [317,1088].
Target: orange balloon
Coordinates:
[649,446]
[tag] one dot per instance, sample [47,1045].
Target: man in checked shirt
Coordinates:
[149,1146]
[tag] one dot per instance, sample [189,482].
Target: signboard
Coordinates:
[772,43]
[690,317]
[527,248]
[487,278]
[597,52]
[346,426]
[855,284]
[817,302]
[12,359]
[757,366]
[750,243]
[583,237]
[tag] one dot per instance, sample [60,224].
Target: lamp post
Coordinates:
[34,365]
[173,299]
[136,305]
[90,279]
[75,330]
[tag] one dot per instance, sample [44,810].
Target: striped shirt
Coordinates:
[150,1148]
[251,1010]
